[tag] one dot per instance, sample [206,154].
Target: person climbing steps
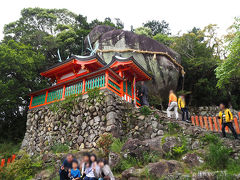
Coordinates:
[226,118]
[182,105]
[172,104]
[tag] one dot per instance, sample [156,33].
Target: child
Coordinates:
[104,172]
[74,173]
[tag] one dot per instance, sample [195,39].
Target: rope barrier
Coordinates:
[145,52]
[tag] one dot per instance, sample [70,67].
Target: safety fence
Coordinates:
[212,123]
[9,160]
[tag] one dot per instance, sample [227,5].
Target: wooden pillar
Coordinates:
[210,122]
[193,122]
[30,105]
[215,123]
[106,78]
[205,122]
[134,90]
[63,93]
[121,83]
[84,84]
[45,102]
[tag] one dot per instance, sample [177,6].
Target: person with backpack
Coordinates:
[226,118]
[183,107]
[172,104]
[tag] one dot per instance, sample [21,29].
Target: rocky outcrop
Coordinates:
[165,73]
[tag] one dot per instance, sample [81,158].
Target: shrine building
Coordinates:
[78,74]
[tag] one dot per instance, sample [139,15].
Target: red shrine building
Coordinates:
[78,74]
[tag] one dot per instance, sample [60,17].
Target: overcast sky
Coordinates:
[182,15]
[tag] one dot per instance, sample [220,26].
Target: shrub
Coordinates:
[173,128]
[117,145]
[7,149]
[126,163]
[233,167]
[60,148]
[218,156]
[145,110]
[93,93]
[23,168]
[211,138]
[104,143]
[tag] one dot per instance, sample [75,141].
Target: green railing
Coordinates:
[74,89]
[38,100]
[95,82]
[54,95]
[129,88]
[114,85]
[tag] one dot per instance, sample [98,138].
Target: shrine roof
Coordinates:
[129,60]
[80,58]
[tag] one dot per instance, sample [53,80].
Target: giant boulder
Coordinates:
[165,73]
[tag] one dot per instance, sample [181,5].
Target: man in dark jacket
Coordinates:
[67,164]
[143,94]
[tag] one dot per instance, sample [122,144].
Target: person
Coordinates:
[84,163]
[172,104]
[183,107]
[89,168]
[74,173]
[67,164]
[143,94]
[104,172]
[226,118]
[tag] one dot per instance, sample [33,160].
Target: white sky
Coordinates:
[182,15]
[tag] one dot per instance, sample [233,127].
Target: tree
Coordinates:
[158,27]
[228,71]
[199,62]
[164,39]
[19,75]
[41,28]
[144,31]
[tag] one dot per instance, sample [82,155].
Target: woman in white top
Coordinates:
[89,168]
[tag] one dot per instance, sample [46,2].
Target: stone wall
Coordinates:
[79,128]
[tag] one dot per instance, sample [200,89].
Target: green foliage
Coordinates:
[158,27]
[178,150]
[217,157]
[60,148]
[145,110]
[93,93]
[23,168]
[155,101]
[229,70]
[233,166]
[199,61]
[143,31]
[117,145]
[19,75]
[164,39]
[67,104]
[173,128]
[126,163]
[104,143]
[7,149]
[211,138]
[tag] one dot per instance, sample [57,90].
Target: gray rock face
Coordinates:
[164,167]
[164,71]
